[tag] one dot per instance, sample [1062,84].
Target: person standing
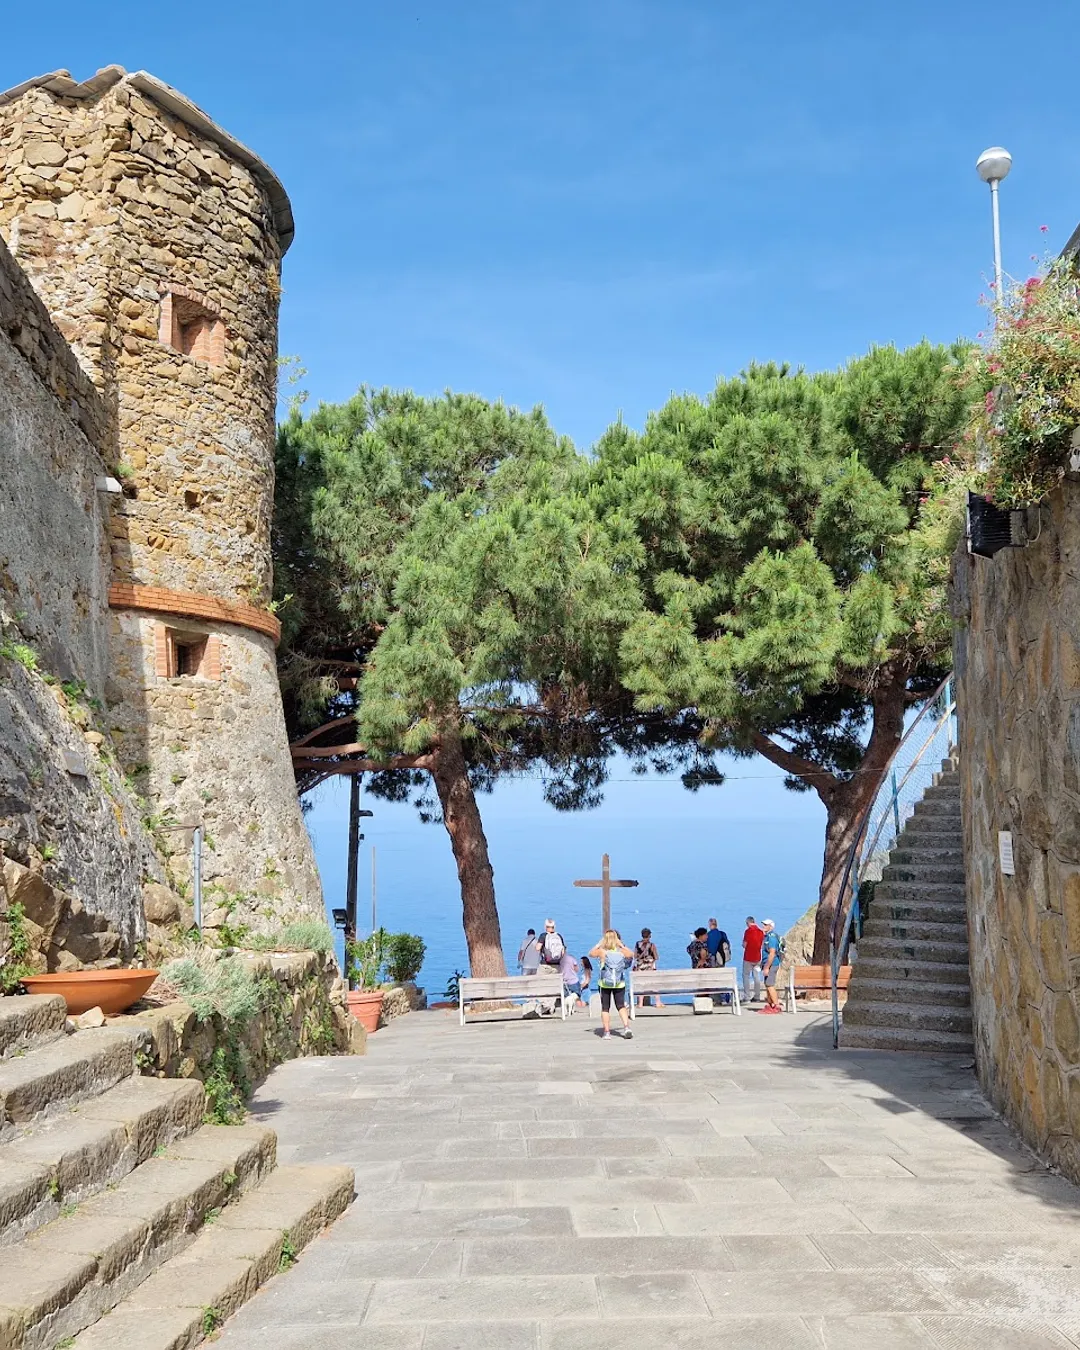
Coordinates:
[719,946]
[614,959]
[529,954]
[772,953]
[552,951]
[552,946]
[698,950]
[571,978]
[752,939]
[645,958]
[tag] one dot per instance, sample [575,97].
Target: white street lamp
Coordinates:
[992,166]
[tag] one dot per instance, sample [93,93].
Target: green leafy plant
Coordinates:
[288,1252]
[212,1318]
[212,1215]
[226,1087]
[49,852]
[404,955]
[453,986]
[364,959]
[14,964]
[20,653]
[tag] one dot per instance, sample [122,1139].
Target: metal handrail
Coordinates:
[845,910]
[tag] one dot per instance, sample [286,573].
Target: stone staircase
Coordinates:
[909,987]
[124,1220]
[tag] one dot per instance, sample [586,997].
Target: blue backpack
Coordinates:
[613,971]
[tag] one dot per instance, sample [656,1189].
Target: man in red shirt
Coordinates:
[751,960]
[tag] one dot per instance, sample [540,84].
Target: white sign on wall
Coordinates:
[1005,853]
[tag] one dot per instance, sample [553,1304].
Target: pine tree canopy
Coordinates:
[793,581]
[786,572]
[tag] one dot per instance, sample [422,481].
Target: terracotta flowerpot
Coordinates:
[110,990]
[365,1005]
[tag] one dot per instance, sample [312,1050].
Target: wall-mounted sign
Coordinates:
[1005,853]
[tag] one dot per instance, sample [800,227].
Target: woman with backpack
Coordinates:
[614,959]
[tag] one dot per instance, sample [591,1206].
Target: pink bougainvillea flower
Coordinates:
[1044,229]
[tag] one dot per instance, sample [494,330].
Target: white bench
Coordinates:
[814,980]
[544,984]
[711,980]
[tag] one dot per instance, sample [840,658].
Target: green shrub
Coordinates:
[218,985]
[404,955]
[306,935]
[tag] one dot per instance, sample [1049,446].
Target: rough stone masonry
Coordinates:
[154,241]
[1017,649]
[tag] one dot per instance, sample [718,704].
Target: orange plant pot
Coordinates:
[110,990]
[365,1005]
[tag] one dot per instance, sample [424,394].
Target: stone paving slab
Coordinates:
[649,1190]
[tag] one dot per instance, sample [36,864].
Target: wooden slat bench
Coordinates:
[711,980]
[544,984]
[813,979]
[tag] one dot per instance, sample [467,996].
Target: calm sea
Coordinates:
[748,847]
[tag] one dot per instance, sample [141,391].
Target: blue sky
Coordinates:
[590,205]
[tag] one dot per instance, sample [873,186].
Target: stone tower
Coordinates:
[155,241]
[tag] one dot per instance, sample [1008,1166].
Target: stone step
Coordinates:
[894,968]
[896,1038]
[947,785]
[904,951]
[62,1160]
[60,1280]
[909,991]
[861,1012]
[937,851]
[922,826]
[880,925]
[189,1296]
[938,892]
[29,1020]
[52,1077]
[933,910]
[942,808]
[923,874]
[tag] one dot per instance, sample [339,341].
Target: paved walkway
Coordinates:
[716,1182]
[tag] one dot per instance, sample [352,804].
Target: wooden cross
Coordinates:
[606,885]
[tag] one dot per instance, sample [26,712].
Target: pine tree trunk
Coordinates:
[844,812]
[846,801]
[461,816]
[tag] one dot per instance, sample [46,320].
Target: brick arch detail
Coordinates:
[191,605]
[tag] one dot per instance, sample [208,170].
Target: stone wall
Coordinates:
[65,811]
[54,553]
[155,242]
[1018,687]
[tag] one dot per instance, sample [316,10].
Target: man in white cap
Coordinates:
[771,955]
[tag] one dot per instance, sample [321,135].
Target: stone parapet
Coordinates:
[304,1013]
[1017,652]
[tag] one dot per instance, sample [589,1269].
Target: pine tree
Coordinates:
[456,611]
[794,596]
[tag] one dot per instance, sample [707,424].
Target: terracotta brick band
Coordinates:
[187,604]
